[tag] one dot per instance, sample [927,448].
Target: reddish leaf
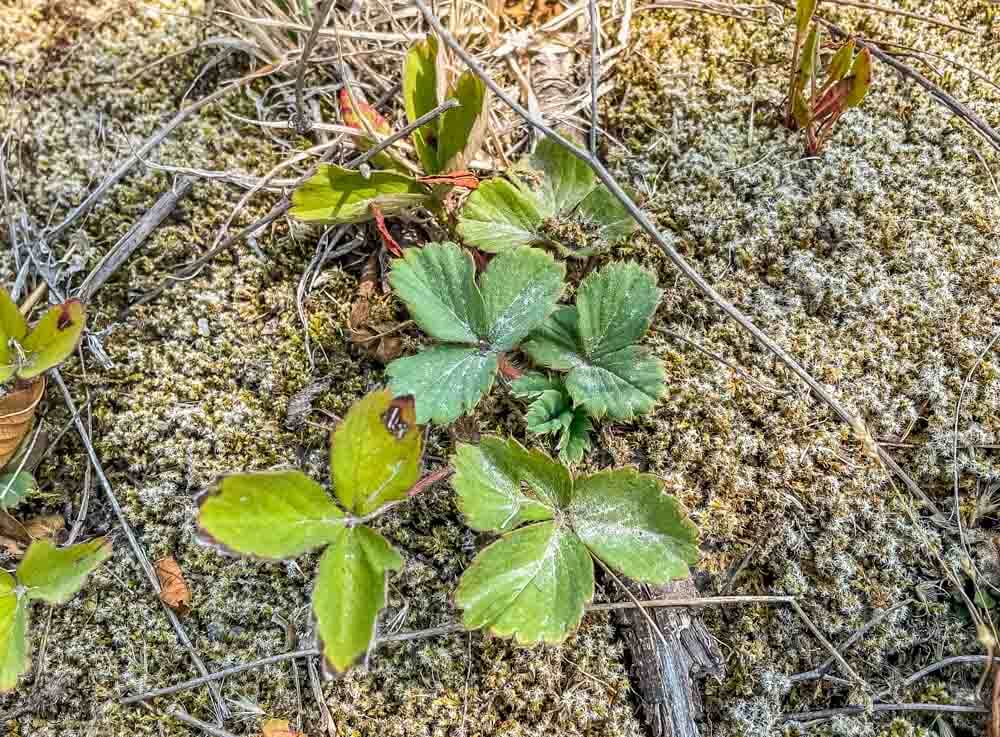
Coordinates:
[461,178]
[383,231]
[351,119]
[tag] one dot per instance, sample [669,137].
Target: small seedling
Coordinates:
[46,573]
[535,581]
[276,515]
[445,147]
[550,198]
[594,341]
[477,323]
[552,412]
[815,108]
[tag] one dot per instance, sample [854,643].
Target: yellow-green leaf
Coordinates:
[13,633]
[420,96]
[804,10]
[53,338]
[12,326]
[272,514]
[840,64]
[349,594]
[461,129]
[338,195]
[861,73]
[55,574]
[375,453]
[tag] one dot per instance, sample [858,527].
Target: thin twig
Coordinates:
[933,668]
[906,14]
[182,716]
[302,119]
[137,550]
[850,711]
[595,72]
[677,259]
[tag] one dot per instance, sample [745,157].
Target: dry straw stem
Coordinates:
[680,262]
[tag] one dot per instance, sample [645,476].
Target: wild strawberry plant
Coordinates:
[46,573]
[444,147]
[475,322]
[552,412]
[550,198]
[276,515]
[595,342]
[534,583]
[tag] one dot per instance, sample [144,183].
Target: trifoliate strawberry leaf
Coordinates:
[54,574]
[446,380]
[271,514]
[552,198]
[626,520]
[437,282]
[438,285]
[53,338]
[349,594]
[13,633]
[608,375]
[375,453]
[532,584]
[15,487]
[501,485]
[338,195]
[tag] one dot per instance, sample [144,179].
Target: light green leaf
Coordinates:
[809,58]
[12,322]
[501,485]
[558,179]
[533,584]
[13,633]
[420,96]
[349,594]
[53,338]
[271,514]
[575,440]
[498,216]
[519,289]
[15,487]
[622,384]
[371,465]
[615,307]
[461,129]
[604,219]
[840,64]
[437,283]
[55,574]
[804,10]
[861,73]
[338,195]
[445,381]
[626,520]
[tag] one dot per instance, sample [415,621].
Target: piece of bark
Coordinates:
[664,676]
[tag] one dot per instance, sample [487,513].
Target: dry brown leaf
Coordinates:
[45,526]
[14,538]
[17,411]
[174,591]
[279,728]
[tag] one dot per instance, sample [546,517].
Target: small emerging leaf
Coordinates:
[532,584]
[54,574]
[15,487]
[272,514]
[575,440]
[420,97]
[349,594]
[338,195]
[53,338]
[370,463]
[861,73]
[840,64]
[13,633]
[461,129]
[804,10]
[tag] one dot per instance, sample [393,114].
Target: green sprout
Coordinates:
[813,107]
[277,515]
[445,148]
[477,323]
[536,580]
[27,353]
[48,574]
[552,412]
[550,198]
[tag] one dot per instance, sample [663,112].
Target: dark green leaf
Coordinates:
[15,487]
[445,381]
[615,307]
[499,216]
[519,289]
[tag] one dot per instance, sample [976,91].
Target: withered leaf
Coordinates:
[17,411]
[279,728]
[174,591]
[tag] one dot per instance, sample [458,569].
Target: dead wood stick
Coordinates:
[133,239]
